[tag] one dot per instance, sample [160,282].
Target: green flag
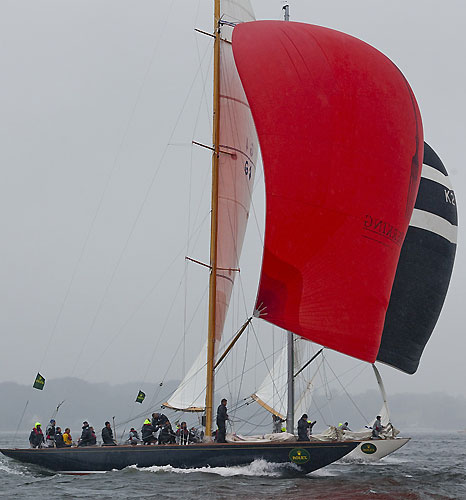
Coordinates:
[39,382]
[141,396]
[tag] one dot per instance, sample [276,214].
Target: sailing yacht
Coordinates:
[329,113]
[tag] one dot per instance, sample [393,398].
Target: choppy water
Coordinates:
[428,467]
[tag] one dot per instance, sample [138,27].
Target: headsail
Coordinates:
[341,140]
[190,394]
[424,269]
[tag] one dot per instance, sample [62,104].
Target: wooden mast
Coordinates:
[213,229]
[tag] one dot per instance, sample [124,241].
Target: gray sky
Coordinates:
[95,207]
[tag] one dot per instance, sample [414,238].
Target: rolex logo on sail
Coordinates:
[383,228]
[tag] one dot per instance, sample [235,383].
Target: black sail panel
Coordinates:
[424,269]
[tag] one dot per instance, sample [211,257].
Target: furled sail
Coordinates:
[341,141]
[424,269]
[237,162]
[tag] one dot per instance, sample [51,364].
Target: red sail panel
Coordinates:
[239,147]
[342,144]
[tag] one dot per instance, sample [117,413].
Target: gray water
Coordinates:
[430,466]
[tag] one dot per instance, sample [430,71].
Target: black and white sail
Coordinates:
[424,269]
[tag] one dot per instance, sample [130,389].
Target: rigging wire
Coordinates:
[135,222]
[106,186]
[201,100]
[162,331]
[268,370]
[349,396]
[142,302]
[157,392]
[21,420]
[155,405]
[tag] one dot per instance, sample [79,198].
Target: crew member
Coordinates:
[277,423]
[159,420]
[133,436]
[59,442]
[86,435]
[147,433]
[196,435]
[344,427]
[36,438]
[166,435]
[67,439]
[93,436]
[222,417]
[107,435]
[50,434]
[377,427]
[304,428]
[184,435]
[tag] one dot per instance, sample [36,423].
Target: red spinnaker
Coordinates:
[342,145]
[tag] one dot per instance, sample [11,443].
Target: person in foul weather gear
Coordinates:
[377,427]
[222,417]
[107,435]
[50,434]
[277,423]
[159,420]
[86,435]
[93,436]
[184,435]
[36,438]
[304,428]
[195,435]
[310,425]
[59,443]
[67,439]
[147,433]
[133,437]
[166,435]
[344,427]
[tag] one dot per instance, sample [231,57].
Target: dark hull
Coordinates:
[302,456]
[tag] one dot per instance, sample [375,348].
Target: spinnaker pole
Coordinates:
[213,228]
[382,391]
